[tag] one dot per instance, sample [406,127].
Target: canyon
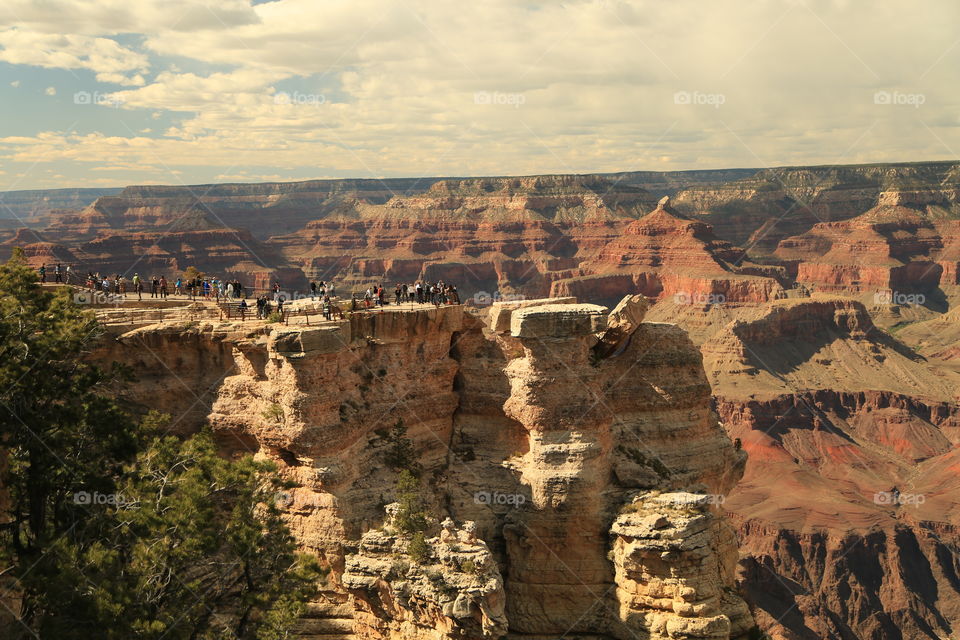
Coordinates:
[571,491]
[700,401]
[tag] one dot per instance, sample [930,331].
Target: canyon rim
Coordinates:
[414,320]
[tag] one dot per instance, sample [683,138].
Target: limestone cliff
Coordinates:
[569,462]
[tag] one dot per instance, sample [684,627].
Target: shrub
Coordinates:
[418,549]
[274,413]
[400,455]
[411,516]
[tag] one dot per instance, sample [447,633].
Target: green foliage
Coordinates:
[274,413]
[438,582]
[275,316]
[400,454]
[188,544]
[468,566]
[399,568]
[61,432]
[196,548]
[418,549]
[411,516]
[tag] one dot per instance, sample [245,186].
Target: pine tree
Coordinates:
[187,544]
[63,437]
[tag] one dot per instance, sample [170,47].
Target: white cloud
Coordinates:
[433,87]
[50,91]
[104,56]
[15,84]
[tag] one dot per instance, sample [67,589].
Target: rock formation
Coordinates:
[823,301]
[571,488]
[847,512]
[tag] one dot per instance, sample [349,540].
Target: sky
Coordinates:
[97,93]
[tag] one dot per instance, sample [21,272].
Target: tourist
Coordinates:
[327,311]
[154,286]
[68,274]
[313,290]
[243,310]
[57,274]
[367,297]
[43,273]
[138,286]
[261,301]
[163,286]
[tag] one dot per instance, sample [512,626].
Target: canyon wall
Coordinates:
[823,302]
[568,458]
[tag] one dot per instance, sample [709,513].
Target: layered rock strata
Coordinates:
[540,439]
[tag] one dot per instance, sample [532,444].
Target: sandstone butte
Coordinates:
[812,310]
[570,455]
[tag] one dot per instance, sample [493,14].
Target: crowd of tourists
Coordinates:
[437,293]
[158,286]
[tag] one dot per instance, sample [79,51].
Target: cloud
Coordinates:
[431,87]
[108,59]
[15,84]
[50,91]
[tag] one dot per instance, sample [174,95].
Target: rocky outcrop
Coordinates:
[889,248]
[455,590]
[762,210]
[674,559]
[847,512]
[665,254]
[540,451]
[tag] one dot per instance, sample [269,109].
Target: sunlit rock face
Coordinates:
[546,434]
